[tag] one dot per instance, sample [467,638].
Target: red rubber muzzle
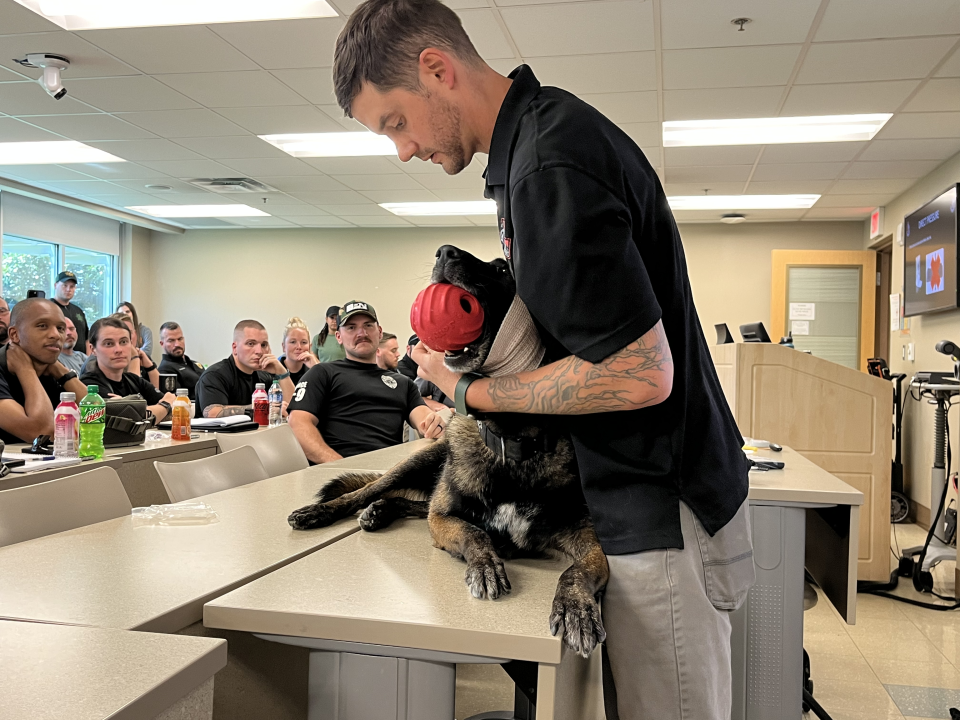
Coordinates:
[446,317]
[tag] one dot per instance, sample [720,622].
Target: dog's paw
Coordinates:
[575,617]
[486,577]
[376,516]
[313,516]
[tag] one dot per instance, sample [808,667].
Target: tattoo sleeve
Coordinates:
[639,375]
[212,411]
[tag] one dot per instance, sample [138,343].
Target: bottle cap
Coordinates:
[181,392]
[261,386]
[93,389]
[68,397]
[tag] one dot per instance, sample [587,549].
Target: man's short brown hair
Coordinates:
[244,325]
[382,41]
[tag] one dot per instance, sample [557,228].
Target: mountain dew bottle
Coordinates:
[93,419]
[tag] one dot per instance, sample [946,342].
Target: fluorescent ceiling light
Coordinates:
[94,14]
[344,144]
[194,211]
[773,131]
[56,152]
[472,207]
[741,202]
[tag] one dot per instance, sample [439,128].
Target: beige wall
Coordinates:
[925,331]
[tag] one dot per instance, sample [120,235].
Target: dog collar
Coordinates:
[517,449]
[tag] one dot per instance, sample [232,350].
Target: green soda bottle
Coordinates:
[93,420]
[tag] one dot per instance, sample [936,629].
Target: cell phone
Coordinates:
[36,293]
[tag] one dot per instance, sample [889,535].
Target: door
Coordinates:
[827,300]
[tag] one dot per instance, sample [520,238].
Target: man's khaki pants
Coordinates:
[666,612]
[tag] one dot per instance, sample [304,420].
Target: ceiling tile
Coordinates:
[787,187]
[28,98]
[847,98]
[52,173]
[7,75]
[848,213]
[284,43]
[191,168]
[314,84]
[139,150]
[234,89]
[353,165]
[277,120]
[184,123]
[416,166]
[111,171]
[322,221]
[699,156]
[890,169]
[15,18]
[128,94]
[716,103]
[485,33]
[368,209]
[625,107]
[208,198]
[713,216]
[272,222]
[611,72]
[728,67]
[798,171]
[727,188]
[934,149]
[336,114]
[460,195]
[292,211]
[581,28]
[465,180]
[90,128]
[127,199]
[921,125]
[936,96]
[178,187]
[335,197]
[86,188]
[872,60]
[643,134]
[178,49]
[246,146]
[380,182]
[951,68]
[847,19]
[874,200]
[440,221]
[709,174]
[811,152]
[698,24]
[13,130]
[385,196]
[281,166]
[86,60]
[376,221]
[866,187]
[295,184]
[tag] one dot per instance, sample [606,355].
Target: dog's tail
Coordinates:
[346,483]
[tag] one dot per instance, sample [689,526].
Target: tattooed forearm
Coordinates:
[212,411]
[639,375]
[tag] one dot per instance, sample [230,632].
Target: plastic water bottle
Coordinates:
[66,421]
[261,405]
[180,425]
[93,420]
[275,397]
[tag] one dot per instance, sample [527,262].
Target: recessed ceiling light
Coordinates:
[193,211]
[55,152]
[773,131]
[472,207]
[98,14]
[741,202]
[344,144]
[159,188]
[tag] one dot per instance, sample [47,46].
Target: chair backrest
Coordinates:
[277,447]
[58,505]
[186,480]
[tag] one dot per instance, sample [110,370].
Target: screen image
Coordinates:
[930,256]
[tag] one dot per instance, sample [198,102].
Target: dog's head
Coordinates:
[491,284]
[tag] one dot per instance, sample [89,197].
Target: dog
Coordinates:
[493,487]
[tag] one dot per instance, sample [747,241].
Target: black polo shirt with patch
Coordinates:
[586,228]
[360,407]
[129,384]
[224,384]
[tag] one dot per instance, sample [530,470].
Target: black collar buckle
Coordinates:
[520,448]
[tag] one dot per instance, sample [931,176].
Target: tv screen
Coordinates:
[930,256]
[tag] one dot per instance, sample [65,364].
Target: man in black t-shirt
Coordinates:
[63,292]
[588,234]
[111,343]
[226,387]
[352,406]
[175,360]
[31,376]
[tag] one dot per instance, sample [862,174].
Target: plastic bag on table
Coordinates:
[190,512]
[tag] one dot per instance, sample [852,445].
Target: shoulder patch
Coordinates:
[389,381]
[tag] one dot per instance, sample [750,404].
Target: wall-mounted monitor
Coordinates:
[930,256]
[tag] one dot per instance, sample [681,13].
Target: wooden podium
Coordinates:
[837,417]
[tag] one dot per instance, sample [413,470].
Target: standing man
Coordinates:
[63,292]
[588,234]
[72,359]
[175,360]
[4,321]
[388,354]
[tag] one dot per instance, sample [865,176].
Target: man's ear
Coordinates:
[13,334]
[436,68]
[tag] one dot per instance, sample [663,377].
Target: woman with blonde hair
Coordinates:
[297,357]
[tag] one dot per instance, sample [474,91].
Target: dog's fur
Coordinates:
[481,508]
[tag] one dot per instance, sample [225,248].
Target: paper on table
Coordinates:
[33,464]
[213,422]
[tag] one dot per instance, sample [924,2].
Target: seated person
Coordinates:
[431,394]
[325,345]
[351,406]
[72,359]
[144,334]
[175,360]
[31,376]
[110,340]
[388,354]
[140,363]
[297,357]
[406,365]
[226,387]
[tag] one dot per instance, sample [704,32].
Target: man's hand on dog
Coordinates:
[432,369]
[432,426]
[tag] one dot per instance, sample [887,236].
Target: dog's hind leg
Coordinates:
[417,472]
[380,513]
[575,615]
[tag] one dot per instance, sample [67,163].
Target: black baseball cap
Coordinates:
[333,311]
[413,340]
[66,276]
[355,307]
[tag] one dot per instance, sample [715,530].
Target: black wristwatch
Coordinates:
[165,404]
[149,369]
[65,378]
[460,394]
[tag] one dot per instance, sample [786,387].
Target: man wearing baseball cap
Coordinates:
[351,406]
[63,293]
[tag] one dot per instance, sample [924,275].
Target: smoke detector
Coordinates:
[232,186]
[52,65]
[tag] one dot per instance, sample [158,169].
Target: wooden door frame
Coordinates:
[864,260]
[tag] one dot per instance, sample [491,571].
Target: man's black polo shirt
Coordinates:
[586,228]
[187,371]
[129,384]
[224,384]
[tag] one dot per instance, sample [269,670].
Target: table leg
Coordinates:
[572,690]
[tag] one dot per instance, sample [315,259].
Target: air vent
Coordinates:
[232,186]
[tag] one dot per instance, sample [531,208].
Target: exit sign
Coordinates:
[876,223]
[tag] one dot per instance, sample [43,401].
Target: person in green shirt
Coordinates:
[325,345]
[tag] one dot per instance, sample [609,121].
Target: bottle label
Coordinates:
[93,414]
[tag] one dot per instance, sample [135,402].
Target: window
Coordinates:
[95,281]
[27,265]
